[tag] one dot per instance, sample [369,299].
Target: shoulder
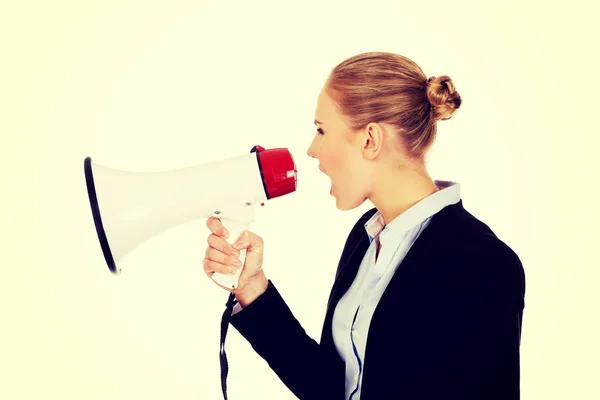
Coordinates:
[464,234]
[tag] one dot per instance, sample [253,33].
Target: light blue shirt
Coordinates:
[355,309]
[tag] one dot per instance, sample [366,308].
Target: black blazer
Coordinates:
[448,326]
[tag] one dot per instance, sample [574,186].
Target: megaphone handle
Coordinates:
[235,228]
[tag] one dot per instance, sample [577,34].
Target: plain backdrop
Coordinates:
[154,86]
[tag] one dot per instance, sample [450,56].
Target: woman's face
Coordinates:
[339,155]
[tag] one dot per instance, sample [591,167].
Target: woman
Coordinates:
[427,302]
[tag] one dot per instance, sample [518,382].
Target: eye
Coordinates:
[320,131]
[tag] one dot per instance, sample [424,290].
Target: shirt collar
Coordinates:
[448,194]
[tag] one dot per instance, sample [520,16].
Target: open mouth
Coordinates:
[331,189]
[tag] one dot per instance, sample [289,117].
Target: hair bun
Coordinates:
[443,97]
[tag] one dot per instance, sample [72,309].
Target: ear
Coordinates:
[372,137]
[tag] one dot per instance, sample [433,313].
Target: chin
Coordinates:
[347,206]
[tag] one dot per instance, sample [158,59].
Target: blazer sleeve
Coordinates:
[498,320]
[305,367]
[483,331]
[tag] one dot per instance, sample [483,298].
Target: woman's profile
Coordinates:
[427,302]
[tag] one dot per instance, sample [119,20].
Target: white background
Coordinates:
[152,86]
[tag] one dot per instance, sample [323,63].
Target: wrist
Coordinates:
[250,291]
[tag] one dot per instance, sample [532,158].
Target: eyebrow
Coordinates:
[318,122]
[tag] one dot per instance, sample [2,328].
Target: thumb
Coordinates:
[254,246]
[249,240]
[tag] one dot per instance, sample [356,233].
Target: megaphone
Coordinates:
[128,208]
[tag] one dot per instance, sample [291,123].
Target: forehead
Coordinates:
[326,108]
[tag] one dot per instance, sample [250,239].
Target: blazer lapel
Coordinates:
[348,270]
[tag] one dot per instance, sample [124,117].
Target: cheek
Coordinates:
[338,162]
[337,165]
[344,169]
[331,159]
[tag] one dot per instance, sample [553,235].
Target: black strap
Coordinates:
[223,356]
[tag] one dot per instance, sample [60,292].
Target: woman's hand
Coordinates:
[220,256]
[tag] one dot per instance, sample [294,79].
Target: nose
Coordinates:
[311,150]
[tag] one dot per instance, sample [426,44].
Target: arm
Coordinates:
[305,367]
[480,342]
[310,370]
[497,321]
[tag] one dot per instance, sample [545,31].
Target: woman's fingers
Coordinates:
[210,267]
[216,227]
[222,245]
[222,258]
[220,255]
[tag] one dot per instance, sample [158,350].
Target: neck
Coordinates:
[396,191]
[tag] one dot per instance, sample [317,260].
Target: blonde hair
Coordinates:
[390,88]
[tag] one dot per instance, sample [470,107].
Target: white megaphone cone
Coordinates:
[130,207]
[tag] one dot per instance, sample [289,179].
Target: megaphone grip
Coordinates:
[235,229]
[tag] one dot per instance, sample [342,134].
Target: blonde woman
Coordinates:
[427,302]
